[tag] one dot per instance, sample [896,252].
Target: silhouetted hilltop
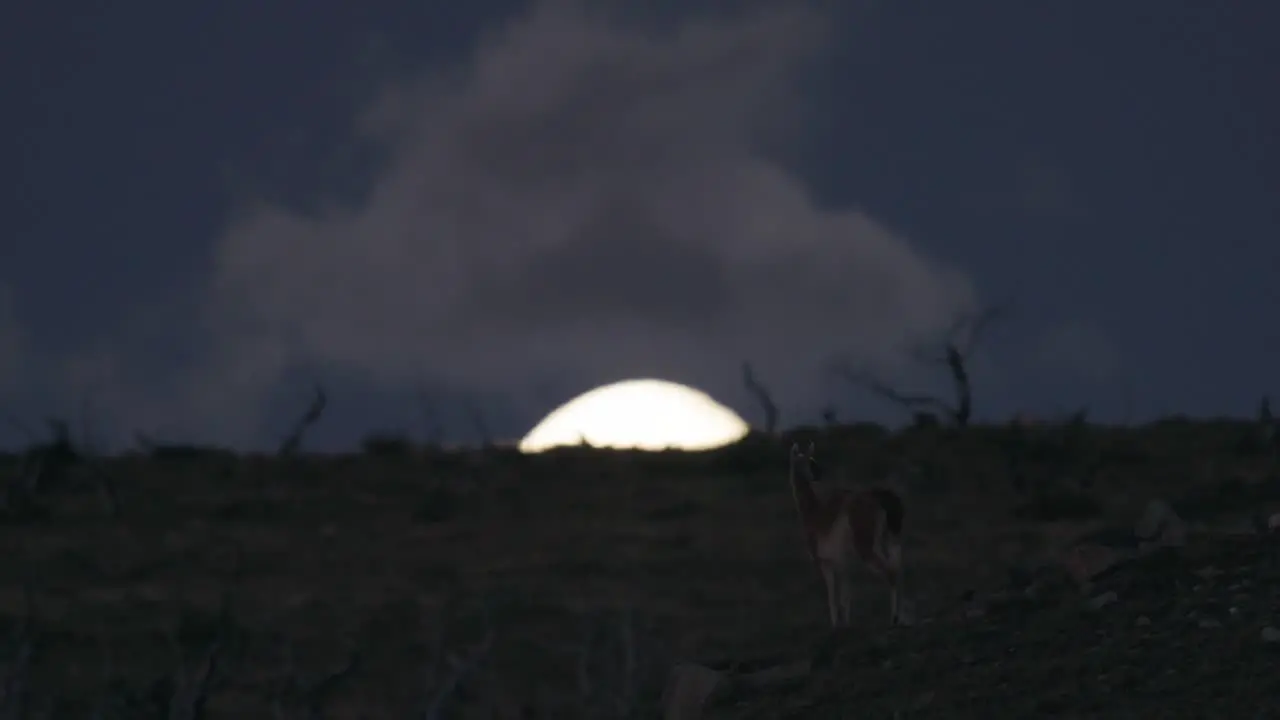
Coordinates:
[404,580]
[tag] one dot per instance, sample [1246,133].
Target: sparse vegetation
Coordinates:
[957,345]
[763,398]
[387,444]
[418,582]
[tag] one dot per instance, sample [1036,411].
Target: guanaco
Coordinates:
[845,529]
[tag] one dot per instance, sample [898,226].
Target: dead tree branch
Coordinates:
[457,667]
[911,402]
[293,440]
[957,346]
[610,666]
[762,396]
[303,700]
[190,689]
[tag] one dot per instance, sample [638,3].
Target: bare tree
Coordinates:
[762,396]
[312,415]
[957,346]
[304,699]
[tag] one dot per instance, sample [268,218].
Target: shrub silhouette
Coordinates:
[386,444]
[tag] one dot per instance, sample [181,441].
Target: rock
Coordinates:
[1270,635]
[1103,600]
[1087,561]
[688,687]
[1161,524]
[922,701]
[1209,624]
[1142,621]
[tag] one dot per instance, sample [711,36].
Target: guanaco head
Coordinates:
[803,465]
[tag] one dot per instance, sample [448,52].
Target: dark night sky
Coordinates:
[498,205]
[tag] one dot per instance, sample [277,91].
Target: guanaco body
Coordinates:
[847,531]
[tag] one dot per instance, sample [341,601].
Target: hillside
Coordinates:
[1176,634]
[402,582]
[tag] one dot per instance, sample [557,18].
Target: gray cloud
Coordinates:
[578,199]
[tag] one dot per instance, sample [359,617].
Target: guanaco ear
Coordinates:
[810,449]
[795,449]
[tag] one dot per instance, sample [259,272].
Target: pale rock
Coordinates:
[1160,523]
[688,687]
[1103,600]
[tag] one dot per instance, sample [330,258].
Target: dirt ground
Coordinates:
[401,582]
[1182,634]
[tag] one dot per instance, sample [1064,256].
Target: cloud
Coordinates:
[580,201]
[1078,350]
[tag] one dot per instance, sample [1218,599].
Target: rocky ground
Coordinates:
[1188,632]
[405,582]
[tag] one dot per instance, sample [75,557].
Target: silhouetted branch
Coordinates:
[190,689]
[303,700]
[610,667]
[911,402]
[960,339]
[457,667]
[762,397]
[294,440]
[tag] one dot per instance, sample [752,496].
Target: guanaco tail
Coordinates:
[845,529]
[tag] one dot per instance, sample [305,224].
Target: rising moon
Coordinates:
[640,414]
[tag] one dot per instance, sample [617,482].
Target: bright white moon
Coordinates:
[643,414]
